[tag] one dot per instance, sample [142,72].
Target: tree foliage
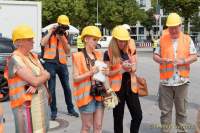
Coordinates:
[115,12]
[195,22]
[150,19]
[185,8]
[84,12]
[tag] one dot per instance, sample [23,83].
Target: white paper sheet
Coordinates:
[99,76]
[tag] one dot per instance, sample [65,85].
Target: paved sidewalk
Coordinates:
[151,113]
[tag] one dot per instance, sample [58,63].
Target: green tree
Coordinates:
[76,11]
[186,8]
[149,21]
[83,12]
[115,12]
[195,22]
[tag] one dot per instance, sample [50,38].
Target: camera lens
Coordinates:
[60,30]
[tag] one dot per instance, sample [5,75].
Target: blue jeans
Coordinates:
[91,107]
[63,74]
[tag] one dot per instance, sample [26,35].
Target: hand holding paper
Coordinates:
[100,76]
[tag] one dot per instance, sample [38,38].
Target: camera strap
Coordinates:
[89,61]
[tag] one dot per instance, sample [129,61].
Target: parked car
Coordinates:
[104,42]
[6,48]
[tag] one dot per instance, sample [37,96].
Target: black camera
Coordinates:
[98,89]
[60,30]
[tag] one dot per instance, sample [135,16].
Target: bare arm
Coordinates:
[133,60]
[83,76]
[160,60]
[157,58]
[192,58]
[35,81]
[45,39]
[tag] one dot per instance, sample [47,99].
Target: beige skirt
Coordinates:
[40,111]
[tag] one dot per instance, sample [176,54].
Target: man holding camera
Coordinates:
[56,47]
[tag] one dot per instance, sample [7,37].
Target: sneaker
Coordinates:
[73,113]
[53,117]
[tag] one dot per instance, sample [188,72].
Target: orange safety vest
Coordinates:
[167,51]
[165,32]
[17,90]
[82,88]
[115,80]
[50,50]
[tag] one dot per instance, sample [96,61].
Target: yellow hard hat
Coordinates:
[22,32]
[121,33]
[63,19]
[91,31]
[173,20]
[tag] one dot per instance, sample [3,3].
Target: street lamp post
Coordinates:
[97,11]
[158,19]
[97,21]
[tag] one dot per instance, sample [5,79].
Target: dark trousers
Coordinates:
[63,74]
[132,100]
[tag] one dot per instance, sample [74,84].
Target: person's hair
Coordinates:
[84,39]
[115,51]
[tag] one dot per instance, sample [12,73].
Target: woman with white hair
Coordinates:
[26,80]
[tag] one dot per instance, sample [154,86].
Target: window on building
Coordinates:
[133,30]
[142,3]
[141,30]
[134,37]
[141,37]
[155,30]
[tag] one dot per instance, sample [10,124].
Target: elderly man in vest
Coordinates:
[56,47]
[174,53]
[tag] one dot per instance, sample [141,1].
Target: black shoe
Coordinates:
[73,113]
[53,117]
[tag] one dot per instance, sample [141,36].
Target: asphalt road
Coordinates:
[151,113]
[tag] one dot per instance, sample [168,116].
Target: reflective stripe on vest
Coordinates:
[82,88]
[167,51]
[17,92]
[17,84]
[18,102]
[50,50]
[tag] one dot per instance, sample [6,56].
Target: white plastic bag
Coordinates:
[99,76]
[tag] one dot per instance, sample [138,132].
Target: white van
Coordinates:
[104,42]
